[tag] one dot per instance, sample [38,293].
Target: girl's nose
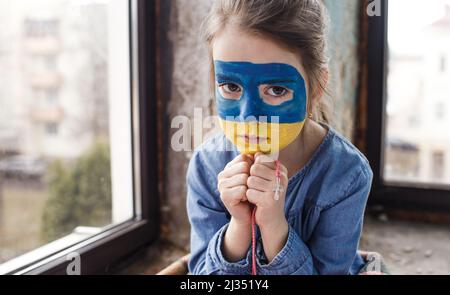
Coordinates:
[249,107]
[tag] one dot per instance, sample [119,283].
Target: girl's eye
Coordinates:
[230,91]
[275,95]
[277,91]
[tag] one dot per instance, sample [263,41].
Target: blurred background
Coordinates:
[66,160]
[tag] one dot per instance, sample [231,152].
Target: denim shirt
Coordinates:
[324,207]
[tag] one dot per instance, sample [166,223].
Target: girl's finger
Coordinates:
[266,173]
[240,158]
[258,183]
[256,197]
[237,168]
[236,180]
[269,162]
[234,195]
[261,158]
[262,171]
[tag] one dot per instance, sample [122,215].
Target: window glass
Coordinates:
[418,101]
[65,122]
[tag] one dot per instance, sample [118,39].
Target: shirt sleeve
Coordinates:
[334,244]
[209,221]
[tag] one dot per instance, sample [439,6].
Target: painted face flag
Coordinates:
[261,107]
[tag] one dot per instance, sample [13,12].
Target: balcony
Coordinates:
[46,80]
[47,115]
[42,46]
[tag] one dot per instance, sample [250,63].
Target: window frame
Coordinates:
[104,252]
[401,196]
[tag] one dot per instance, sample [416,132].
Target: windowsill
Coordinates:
[153,259]
[408,247]
[80,234]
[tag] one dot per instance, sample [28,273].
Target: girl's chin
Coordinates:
[253,149]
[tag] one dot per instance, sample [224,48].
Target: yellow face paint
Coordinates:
[253,137]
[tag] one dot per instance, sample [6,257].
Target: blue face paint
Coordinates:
[252,124]
[250,77]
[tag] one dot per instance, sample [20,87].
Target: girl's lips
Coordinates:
[253,139]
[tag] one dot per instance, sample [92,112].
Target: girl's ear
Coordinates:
[320,89]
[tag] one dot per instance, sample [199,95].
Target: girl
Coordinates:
[306,207]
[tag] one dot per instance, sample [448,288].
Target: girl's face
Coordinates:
[261,91]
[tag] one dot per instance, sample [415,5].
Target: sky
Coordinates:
[407,18]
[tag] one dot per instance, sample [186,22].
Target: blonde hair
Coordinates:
[299,24]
